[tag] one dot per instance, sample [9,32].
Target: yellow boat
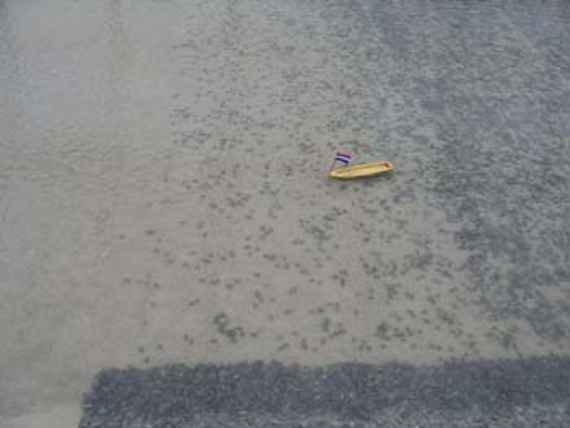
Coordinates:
[361,170]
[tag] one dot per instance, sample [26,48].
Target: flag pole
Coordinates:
[332,164]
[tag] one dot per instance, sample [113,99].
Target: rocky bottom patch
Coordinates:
[502,393]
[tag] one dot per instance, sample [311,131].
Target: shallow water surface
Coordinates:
[163,191]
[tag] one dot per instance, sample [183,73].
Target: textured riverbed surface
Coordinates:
[166,221]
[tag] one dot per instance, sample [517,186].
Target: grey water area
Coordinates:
[172,253]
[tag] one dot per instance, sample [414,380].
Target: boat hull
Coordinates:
[362,170]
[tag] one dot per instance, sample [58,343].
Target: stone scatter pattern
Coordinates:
[164,200]
[422,265]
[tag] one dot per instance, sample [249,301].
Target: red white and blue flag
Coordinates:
[343,158]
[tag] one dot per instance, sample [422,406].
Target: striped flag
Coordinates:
[344,158]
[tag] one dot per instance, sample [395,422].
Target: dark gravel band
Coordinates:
[521,393]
